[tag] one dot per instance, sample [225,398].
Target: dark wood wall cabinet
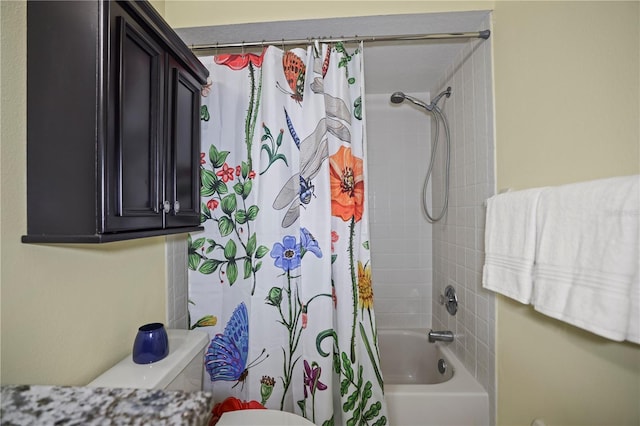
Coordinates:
[113,128]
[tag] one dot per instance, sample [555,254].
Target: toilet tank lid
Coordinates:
[184,345]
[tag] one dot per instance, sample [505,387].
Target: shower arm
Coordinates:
[446,93]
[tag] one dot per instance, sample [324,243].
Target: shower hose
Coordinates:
[439,116]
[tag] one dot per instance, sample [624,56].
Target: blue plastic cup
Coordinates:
[151,344]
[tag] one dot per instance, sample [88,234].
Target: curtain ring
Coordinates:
[283,45]
[316,47]
[242,47]
[310,43]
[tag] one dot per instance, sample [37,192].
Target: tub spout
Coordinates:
[442,336]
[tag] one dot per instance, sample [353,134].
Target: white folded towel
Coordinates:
[633,326]
[587,256]
[510,241]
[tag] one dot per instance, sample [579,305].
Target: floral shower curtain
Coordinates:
[281,276]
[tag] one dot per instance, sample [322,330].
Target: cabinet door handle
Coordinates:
[176,206]
[166,206]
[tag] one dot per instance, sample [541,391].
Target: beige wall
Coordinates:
[566,91]
[159,5]
[68,311]
[551,77]
[187,13]
[567,94]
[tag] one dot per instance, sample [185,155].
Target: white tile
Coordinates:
[398,320]
[482,330]
[395,289]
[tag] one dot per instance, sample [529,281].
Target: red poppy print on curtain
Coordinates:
[347,185]
[237,62]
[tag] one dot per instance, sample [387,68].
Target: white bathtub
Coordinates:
[417,393]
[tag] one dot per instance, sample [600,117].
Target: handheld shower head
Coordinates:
[398,97]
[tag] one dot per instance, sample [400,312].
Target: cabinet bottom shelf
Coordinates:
[105,238]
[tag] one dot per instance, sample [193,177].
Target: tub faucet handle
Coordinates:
[449,299]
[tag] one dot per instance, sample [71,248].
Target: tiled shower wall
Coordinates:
[458,241]
[177,281]
[401,256]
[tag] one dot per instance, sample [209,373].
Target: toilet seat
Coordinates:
[261,418]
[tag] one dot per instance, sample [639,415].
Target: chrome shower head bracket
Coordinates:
[433,103]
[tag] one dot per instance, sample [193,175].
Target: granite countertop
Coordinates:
[66,405]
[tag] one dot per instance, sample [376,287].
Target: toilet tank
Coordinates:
[182,369]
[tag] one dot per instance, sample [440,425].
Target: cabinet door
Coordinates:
[134,163]
[183,156]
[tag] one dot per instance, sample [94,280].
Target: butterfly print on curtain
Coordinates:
[226,357]
[294,71]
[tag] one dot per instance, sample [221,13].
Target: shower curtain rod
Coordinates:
[434,36]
